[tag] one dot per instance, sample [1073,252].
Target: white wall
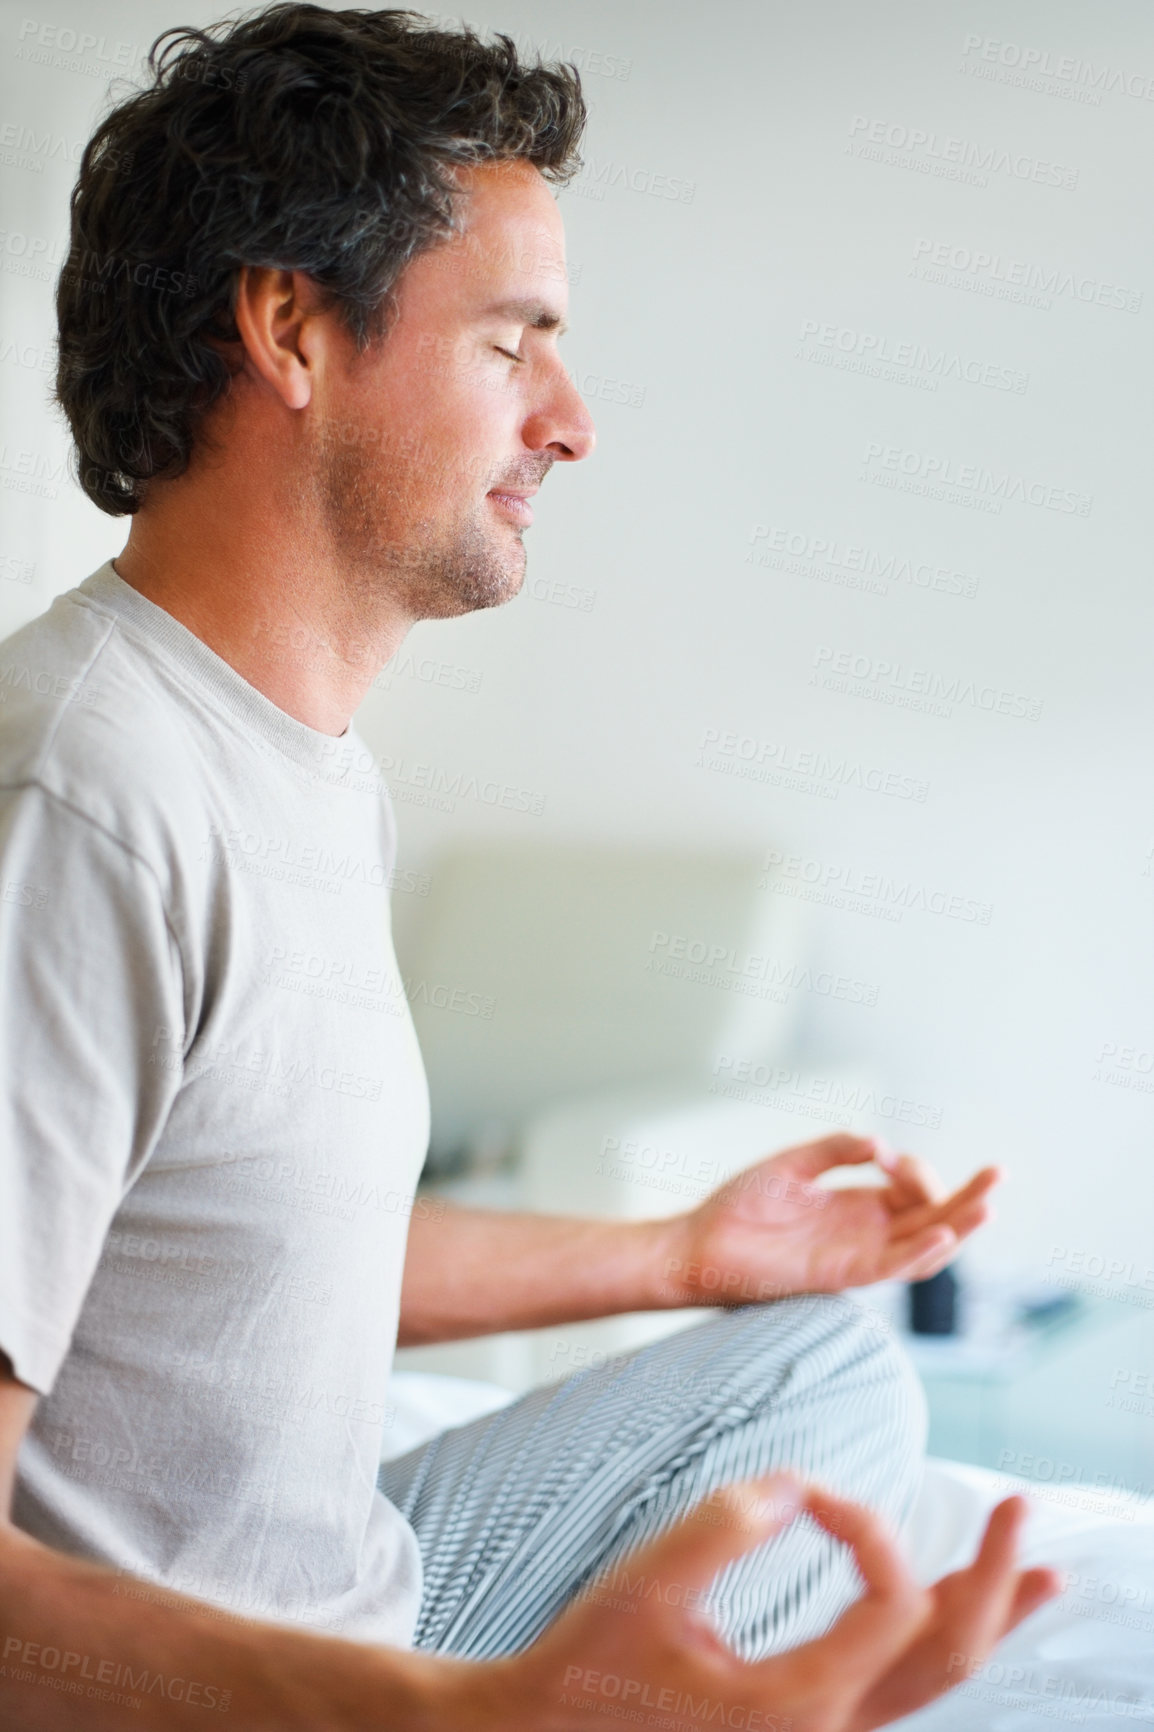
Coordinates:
[745,433]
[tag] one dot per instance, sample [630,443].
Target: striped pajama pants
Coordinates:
[519,1510]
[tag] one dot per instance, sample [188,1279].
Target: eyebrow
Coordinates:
[533,313]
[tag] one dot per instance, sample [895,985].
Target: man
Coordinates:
[308,342]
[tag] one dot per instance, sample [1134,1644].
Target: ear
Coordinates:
[279,318]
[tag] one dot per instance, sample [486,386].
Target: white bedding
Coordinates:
[1086,1659]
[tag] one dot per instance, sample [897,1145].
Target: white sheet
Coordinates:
[1086,1659]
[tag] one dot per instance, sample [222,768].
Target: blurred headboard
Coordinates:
[540,971]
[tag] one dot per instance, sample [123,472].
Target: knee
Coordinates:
[891,1367]
[845,1353]
[866,1376]
[854,1345]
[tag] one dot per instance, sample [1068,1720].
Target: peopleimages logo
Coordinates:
[590,60]
[595,176]
[78,50]
[873,893]
[1067,69]
[729,753]
[21,146]
[851,564]
[1009,279]
[726,965]
[878,678]
[932,152]
[882,356]
[746,1079]
[994,486]
[104,1680]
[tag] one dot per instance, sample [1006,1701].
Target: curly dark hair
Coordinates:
[293,137]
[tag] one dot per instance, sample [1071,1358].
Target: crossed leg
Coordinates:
[517,1511]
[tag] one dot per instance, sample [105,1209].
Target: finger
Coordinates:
[976,1187]
[881,1564]
[991,1583]
[929,1266]
[937,1259]
[993,1562]
[969,1197]
[959,1634]
[1034,1588]
[972,1203]
[996,1553]
[865,1641]
[731,1520]
[979,1186]
[904,1259]
[916,1181]
[933,1261]
[968,1220]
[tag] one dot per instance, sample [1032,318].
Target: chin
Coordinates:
[499,593]
[504,579]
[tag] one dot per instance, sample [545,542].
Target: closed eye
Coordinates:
[508,352]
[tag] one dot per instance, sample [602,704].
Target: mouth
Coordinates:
[515,506]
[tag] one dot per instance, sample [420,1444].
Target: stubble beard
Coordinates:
[371,515]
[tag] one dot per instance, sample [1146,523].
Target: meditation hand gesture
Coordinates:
[658,1658]
[770,1231]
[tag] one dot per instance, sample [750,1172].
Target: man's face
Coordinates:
[409,446]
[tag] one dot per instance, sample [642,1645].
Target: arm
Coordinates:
[766,1233]
[74,1647]
[478,1271]
[64,1624]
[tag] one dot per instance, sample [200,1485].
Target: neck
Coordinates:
[267,596]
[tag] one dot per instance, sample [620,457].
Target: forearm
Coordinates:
[477,1272]
[79,1644]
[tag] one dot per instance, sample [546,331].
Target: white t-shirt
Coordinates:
[213,1114]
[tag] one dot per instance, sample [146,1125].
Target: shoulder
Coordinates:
[84,716]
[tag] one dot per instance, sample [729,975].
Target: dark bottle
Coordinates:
[934,1304]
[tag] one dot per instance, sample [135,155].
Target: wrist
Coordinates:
[668,1262]
[472,1696]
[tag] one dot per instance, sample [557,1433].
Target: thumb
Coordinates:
[678,1566]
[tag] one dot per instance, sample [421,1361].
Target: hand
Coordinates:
[770,1231]
[639,1639]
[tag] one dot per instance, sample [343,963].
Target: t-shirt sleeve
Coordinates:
[91,1012]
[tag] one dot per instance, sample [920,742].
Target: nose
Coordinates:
[562,424]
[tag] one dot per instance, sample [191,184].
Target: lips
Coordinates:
[514,502]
